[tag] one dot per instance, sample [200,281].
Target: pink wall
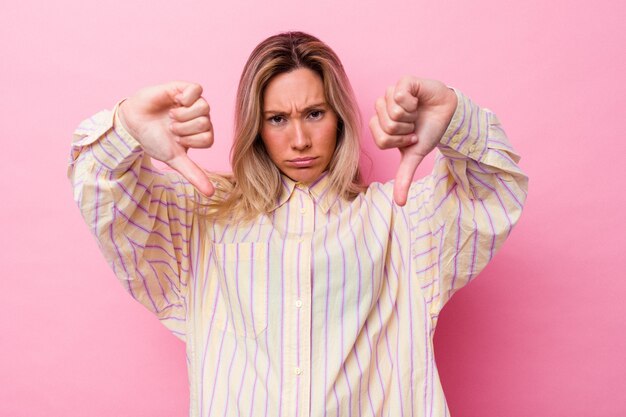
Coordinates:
[540,333]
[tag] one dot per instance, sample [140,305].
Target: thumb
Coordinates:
[185,93]
[193,173]
[408,164]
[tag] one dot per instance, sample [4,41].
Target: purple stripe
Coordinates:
[386,280]
[497,195]
[342,314]
[174,318]
[474,244]
[282,314]
[144,229]
[469,125]
[112,144]
[492,248]
[211,256]
[251,278]
[461,123]
[299,310]
[108,168]
[121,140]
[116,247]
[459,221]
[484,146]
[504,184]
[217,369]
[427,201]
[169,204]
[357,304]
[232,359]
[492,141]
[392,303]
[438,206]
[143,283]
[403,264]
[116,161]
[417,255]
[153,171]
[267,309]
[146,211]
[326,322]
[97,205]
[256,345]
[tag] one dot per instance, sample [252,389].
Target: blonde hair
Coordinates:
[255,184]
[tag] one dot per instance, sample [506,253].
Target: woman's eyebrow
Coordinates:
[306,109]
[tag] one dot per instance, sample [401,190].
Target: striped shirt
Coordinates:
[322,307]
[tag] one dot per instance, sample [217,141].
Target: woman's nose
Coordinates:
[300,140]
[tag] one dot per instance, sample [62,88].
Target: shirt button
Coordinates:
[298,303]
[472,148]
[302,210]
[298,371]
[455,139]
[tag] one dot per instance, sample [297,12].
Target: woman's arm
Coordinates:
[141,217]
[462,213]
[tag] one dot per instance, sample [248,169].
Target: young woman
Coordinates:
[298,290]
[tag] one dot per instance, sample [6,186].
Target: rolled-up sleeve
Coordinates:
[141,217]
[462,213]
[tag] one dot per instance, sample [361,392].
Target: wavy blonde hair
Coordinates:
[255,184]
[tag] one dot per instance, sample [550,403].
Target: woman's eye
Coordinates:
[276,120]
[316,114]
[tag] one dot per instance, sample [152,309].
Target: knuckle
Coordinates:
[204,106]
[389,126]
[396,113]
[393,128]
[400,95]
[175,112]
[384,142]
[204,123]
[207,139]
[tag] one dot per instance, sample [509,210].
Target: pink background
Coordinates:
[540,333]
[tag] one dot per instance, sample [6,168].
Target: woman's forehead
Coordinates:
[294,91]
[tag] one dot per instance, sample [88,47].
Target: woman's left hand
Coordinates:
[412,117]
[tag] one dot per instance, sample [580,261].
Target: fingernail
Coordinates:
[413,139]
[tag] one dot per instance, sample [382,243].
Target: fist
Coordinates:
[412,116]
[167,120]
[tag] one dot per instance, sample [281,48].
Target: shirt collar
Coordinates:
[319,190]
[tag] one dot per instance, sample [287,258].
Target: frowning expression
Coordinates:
[299,127]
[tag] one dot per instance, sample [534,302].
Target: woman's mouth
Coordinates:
[303,162]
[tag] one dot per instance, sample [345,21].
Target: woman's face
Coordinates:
[299,127]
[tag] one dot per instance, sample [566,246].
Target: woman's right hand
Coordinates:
[167,120]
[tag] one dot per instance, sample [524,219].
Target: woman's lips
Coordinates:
[302,162]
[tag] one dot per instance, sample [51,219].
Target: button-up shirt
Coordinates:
[321,307]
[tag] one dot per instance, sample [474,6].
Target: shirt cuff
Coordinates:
[467,132]
[112,147]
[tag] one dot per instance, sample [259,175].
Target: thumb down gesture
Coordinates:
[167,120]
[412,117]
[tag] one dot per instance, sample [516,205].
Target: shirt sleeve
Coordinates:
[465,209]
[140,217]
